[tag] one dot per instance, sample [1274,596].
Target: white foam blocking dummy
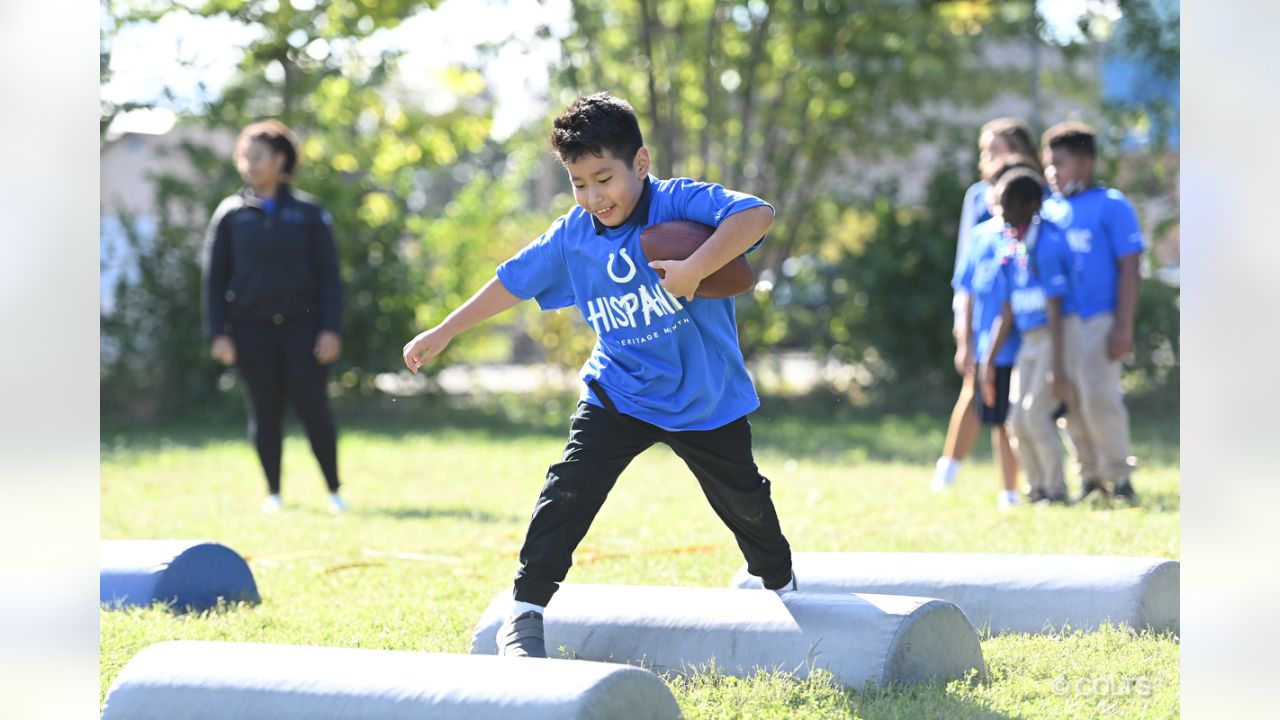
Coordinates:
[185,574]
[858,638]
[1007,593]
[190,680]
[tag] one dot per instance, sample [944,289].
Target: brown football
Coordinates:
[678,239]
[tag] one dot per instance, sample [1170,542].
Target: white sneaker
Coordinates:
[945,474]
[1006,499]
[272,504]
[337,505]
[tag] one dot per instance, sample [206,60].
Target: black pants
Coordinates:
[277,364]
[601,444]
[994,414]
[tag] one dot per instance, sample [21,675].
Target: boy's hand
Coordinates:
[1119,341]
[328,347]
[989,385]
[679,277]
[428,344]
[223,350]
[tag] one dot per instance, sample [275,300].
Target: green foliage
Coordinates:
[1151,30]
[1157,337]
[876,293]
[377,161]
[787,100]
[783,99]
[154,357]
[458,250]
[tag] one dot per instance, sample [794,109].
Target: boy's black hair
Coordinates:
[1020,187]
[275,134]
[1074,137]
[594,124]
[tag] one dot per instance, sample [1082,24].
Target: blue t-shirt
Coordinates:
[1101,227]
[1037,270]
[980,276]
[668,361]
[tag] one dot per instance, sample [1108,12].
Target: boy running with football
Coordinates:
[666,367]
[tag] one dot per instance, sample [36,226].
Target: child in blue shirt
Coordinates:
[1002,143]
[979,277]
[1038,269]
[1101,227]
[666,367]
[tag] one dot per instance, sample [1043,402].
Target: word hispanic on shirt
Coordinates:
[607,313]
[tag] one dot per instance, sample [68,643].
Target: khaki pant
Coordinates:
[1031,416]
[1097,418]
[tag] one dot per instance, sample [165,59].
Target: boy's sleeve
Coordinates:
[1121,223]
[710,204]
[539,271]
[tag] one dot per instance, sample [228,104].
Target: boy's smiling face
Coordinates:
[606,186]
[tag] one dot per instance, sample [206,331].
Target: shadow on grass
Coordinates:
[709,690]
[935,705]
[928,701]
[936,699]
[821,426]
[459,513]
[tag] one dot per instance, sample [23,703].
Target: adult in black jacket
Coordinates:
[273,301]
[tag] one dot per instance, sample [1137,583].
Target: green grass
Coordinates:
[440,500]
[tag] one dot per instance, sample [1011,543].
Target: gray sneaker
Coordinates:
[522,636]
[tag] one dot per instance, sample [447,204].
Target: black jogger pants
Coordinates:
[601,445]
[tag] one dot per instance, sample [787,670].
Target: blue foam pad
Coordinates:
[185,574]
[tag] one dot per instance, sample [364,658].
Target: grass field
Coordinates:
[439,505]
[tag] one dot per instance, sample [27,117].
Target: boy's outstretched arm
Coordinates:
[734,237]
[492,299]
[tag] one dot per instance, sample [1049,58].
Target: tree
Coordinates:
[781,98]
[376,159]
[788,100]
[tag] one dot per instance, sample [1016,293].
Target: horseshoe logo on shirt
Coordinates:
[631,267]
